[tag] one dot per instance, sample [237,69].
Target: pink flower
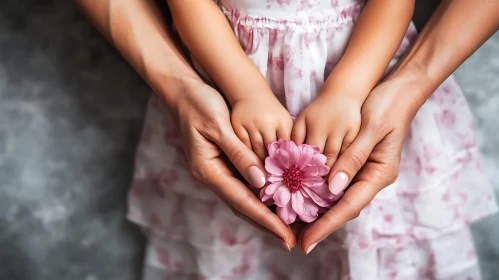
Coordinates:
[296,185]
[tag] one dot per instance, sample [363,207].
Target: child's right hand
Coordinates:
[258,121]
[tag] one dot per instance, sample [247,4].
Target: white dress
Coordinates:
[417,228]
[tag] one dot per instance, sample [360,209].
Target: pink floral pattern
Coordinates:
[418,228]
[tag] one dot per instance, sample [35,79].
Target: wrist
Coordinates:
[414,79]
[346,90]
[171,87]
[262,94]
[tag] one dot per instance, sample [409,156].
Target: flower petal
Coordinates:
[312,181]
[320,159]
[272,166]
[283,158]
[323,170]
[294,154]
[322,196]
[311,170]
[316,149]
[318,198]
[320,162]
[272,188]
[306,155]
[282,197]
[273,148]
[310,212]
[297,201]
[266,198]
[275,178]
[287,214]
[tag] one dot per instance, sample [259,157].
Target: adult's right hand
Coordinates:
[208,140]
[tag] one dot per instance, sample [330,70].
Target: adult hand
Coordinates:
[208,140]
[372,160]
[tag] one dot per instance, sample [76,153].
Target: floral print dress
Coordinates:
[417,228]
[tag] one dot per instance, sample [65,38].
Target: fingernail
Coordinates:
[256,177]
[311,247]
[338,183]
[286,246]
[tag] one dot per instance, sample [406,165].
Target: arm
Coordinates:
[257,117]
[453,33]
[376,37]
[208,36]
[137,29]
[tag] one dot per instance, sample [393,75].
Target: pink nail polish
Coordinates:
[256,177]
[286,246]
[311,247]
[338,183]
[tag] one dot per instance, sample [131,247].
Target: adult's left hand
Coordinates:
[372,160]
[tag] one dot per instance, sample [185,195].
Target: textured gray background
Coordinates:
[70,116]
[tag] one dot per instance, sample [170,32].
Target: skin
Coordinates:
[137,29]
[257,116]
[455,30]
[453,33]
[378,33]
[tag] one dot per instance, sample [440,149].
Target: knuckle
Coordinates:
[353,211]
[196,173]
[375,124]
[258,145]
[394,175]
[267,119]
[236,156]
[212,127]
[357,159]
[331,154]
[346,143]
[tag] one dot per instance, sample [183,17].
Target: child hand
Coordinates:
[258,121]
[331,122]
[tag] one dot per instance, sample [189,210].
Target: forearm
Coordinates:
[208,36]
[137,29]
[378,34]
[456,30]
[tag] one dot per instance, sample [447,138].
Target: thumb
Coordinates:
[244,159]
[351,161]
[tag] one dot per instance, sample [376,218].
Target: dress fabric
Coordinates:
[417,228]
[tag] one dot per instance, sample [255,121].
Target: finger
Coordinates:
[257,144]
[244,201]
[332,149]
[350,162]
[299,131]
[243,158]
[284,132]
[348,140]
[269,136]
[347,208]
[315,138]
[248,220]
[242,134]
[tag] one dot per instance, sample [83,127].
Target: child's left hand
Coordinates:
[331,122]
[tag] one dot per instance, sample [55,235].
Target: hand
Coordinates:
[207,136]
[259,121]
[375,154]
[330,122]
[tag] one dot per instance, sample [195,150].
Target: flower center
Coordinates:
[293,178]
